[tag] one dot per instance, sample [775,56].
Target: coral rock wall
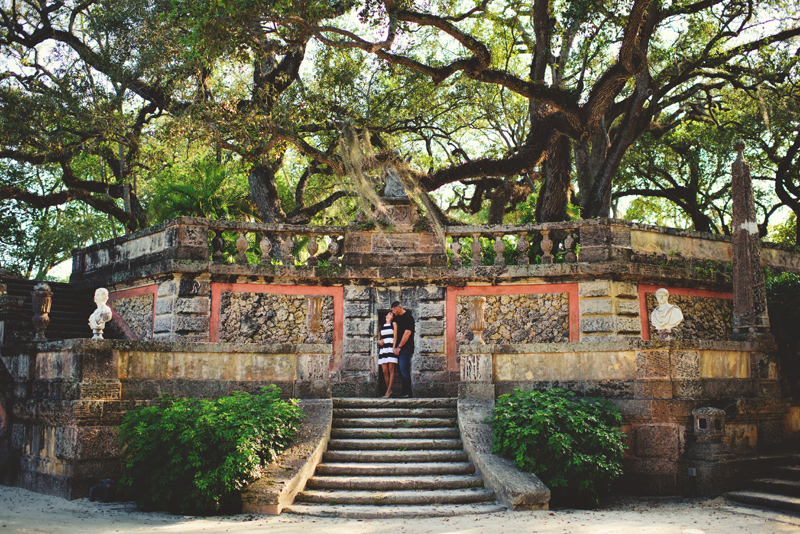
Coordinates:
[541,318]
[269,318]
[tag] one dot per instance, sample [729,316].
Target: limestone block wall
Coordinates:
[71,396]
[656,385]
[609,310]
[183,308]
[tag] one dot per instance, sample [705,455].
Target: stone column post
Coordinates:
[749,296]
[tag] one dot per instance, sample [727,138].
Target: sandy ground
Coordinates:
[31,513]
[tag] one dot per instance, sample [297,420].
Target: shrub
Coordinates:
[574,445]
[195,456]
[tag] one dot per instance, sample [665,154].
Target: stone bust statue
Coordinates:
[666,316]
[98,319]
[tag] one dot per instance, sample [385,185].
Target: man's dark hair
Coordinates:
[395,304]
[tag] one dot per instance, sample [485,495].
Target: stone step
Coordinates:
[788,472]
[765,500]
[349,413]
[395,422]
[778,485]
[366,511]
[394,444]
[392,457]
[395,483]
[395,469]
[416,497]
[394,433]
[381,403]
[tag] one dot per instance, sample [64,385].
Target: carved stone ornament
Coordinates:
[313,318]
[41,299]
[477,323]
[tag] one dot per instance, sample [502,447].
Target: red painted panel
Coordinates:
[644,289]
[338,307]
[454,292]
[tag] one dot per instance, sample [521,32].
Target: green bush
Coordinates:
[574,445]
[195,456]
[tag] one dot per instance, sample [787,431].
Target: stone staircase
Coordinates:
[781,491]
[69,311]
[393,458]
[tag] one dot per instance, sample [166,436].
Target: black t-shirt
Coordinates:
[405,322]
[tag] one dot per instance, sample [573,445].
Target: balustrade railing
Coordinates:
[513,245]
[243,243]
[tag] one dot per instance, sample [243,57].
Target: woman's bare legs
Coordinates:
[388,375]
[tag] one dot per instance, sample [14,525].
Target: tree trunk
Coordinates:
[264,192]
[554,192]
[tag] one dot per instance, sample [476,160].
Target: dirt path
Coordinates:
[31,513]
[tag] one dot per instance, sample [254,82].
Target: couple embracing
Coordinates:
[396,341]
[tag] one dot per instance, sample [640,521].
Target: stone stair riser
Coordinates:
[394,444]
[395,456]
[392,412]
[395,433]
[394,483]
[396,469]
[396,497]
[395,422]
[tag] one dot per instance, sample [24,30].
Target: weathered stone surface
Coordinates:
[137,312]
[522,318]
[357,345]
[656,441]
[198,305]
[564,366]
[430,344]
[357,293]
[430,328]
[165,305]
[630,325]
[356,309]
[653,364]
[184,323]
[626,307]
[626,290]
[430,293]
[597,324]
[595,306]
[430,310]
[359,328]
[270,318]
[433,362]
[599,288]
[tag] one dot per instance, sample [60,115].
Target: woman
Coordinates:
[386,357]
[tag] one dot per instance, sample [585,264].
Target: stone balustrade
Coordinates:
[240,243]
[288,245]
[548,242]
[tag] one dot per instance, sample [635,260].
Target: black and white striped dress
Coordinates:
[386,354]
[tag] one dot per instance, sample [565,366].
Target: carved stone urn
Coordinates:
[477,323]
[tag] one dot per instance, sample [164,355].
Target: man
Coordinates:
[404,347]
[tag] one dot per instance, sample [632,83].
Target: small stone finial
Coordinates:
[666,316]
[41,299]
[739,145]
[99,318]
